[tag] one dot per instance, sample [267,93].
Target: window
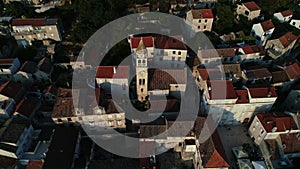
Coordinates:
[119,122]
[140,81]
[294,23]
[144,61]
[205,20]
[204,27]
[142,90]
[160,59]
[179,59]
[174,52]
[139,61]
[199,20]
[173,58]
[179,53]
[246,13]
[80,118]
[144,81]
[198,27]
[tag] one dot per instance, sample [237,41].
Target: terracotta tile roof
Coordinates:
[210,74]
[287,39]
[226,52]
[242,96]
[216,87]
[267,25]
[29,21]
[291,142]
[26,107]
[213,153]
[164,42]
[148,41]
[6,61]
[8,162]
[35,164]
[262,92]
[253,49]
[13,129]
[110,106]
[258,73]
[252,6]
[217,53]
[273,148]
[180,127]
[198,126]
[11,89]
[207,13]
[279,77]
[108,72]
[162,78]
[62,148]
[293,71]
[147,131]
[286,13]
[63,106]
[172,105]
[146,148]
[202,13]
[234,69]
[283,123]
[29,67]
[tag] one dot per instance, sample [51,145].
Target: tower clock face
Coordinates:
[142,72]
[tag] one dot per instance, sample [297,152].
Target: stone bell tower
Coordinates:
[141,71]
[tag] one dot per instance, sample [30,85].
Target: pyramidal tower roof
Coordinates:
[141,46]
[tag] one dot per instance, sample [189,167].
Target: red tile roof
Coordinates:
[29,21]
[207,74]
[108,72]
[217,53]
[253,49]
[283,123]
[148,41]
[162,78]
[35,164]
[64,106]
[267,25]
[25,107]
[291,142]
[207,13]
[213,153]
[287,39]
[7,61]
[258,74]
[10,89]
[293,71]
[217,87]
[279,77]
[164,42]
[262,92]
[242,96]
[252,6]
[286,13]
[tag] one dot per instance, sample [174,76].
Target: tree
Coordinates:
[225,21]
[94,14]
[26,53]
[17,9]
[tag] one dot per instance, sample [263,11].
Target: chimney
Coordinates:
[115,70]
[274,129]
